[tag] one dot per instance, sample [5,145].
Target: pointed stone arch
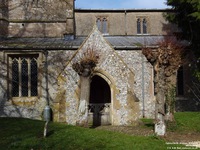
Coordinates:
[112,68]
[104,102]
[99,90]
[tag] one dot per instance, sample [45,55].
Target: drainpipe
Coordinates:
[143,88]
[47,109]
[46,76]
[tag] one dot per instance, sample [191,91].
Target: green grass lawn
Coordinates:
[186,122]
[19,133]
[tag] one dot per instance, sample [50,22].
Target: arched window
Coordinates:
[99,23]
[15,77]
[34,77]
[144,24]
[104,24]
[138,26]
[24,75]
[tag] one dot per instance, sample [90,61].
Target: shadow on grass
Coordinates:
[50,133]
[149,123]
[93,127]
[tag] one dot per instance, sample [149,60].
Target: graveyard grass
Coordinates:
[19,133]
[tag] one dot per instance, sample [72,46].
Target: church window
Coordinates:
[99,24]
[142,25]
[102,24]
[23,75]
[138,26]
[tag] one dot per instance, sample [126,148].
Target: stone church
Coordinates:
[40,40]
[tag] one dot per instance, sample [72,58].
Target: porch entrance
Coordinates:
[100,102]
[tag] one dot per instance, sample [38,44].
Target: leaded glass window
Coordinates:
[24,76]
[34,77]
[144,23]
[138,26]
[15,77]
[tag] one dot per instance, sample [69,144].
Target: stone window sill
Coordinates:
[24,101]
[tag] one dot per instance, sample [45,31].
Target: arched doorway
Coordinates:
[100,100]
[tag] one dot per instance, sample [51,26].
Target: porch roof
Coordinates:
[118,43]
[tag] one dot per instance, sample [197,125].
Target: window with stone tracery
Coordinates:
[23,74]
[102,24]
[142,25]
[138,26]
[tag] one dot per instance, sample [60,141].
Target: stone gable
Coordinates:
[112,68]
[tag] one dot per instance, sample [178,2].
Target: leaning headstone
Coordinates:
[160,127]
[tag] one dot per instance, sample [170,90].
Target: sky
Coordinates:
[120,4]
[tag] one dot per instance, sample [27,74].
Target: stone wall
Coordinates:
[27,107]
[143,83]
[28,10]
[40,18]
[128,74]
[117,68]
[3,19]
[58,89]
[125,108]
[4,28]
[38,29]
[32,107]
[123,22]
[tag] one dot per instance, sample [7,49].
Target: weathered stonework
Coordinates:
[130,91]
[44,29]
[143,83]
[18,107]
[126,105]
[37,18]
[123,22]
[121,63]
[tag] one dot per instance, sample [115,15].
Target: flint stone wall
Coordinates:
[143,83]
[121,69]
[130,82]
[123,72]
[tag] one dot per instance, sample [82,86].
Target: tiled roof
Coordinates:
[40,43]
[118,42]
[133,41]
